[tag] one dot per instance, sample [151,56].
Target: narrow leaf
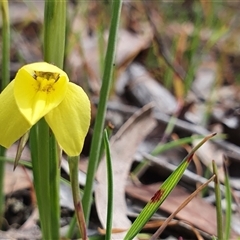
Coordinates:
[162,193]
[110,187]
[218,203]
[168,220]
[228,195]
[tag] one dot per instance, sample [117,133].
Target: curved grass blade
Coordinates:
[100,118]
[110,187]
[168,220]
[162,193]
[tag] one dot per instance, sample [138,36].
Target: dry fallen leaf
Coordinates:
[123,145]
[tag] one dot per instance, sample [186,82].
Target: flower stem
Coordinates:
[39,143]
[54,45]
[54,181]
[54,31]
[5,44]
[73,170]
[99,122]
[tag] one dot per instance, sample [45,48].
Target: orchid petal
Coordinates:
[13,125]
[39,87]
[70,120]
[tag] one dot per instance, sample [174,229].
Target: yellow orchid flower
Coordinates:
[43,90]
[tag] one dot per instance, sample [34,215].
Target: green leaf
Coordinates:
[110,187]
[162,193]
[100,118]
[228,194]
[218,203]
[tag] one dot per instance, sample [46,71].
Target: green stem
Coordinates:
[54,48]
[228,194]
[54,31]
[54,181]
[218,203]
[5,44]
[99,122]
[4,83]
[73,170]
[39,143]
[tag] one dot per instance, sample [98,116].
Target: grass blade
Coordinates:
[100,118]
[218,203]
[110,187]
[162,193]
[194,194]
[228,195]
